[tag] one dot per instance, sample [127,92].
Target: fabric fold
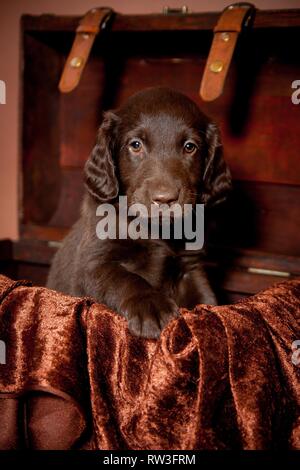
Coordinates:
[218,378]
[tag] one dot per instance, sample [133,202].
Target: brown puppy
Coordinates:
[157,148]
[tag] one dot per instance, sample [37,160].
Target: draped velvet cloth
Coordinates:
[218,378]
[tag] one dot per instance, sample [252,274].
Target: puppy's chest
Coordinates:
[156,266]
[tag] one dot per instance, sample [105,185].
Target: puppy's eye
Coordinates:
[135,146]
[190,147]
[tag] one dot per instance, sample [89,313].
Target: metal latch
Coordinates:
[175,11]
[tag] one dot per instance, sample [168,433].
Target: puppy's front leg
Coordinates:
[146,309]
[194,288]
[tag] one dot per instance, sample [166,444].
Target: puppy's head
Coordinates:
[158,148]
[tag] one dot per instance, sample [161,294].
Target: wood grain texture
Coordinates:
[160,22]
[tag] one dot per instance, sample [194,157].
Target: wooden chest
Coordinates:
[257,242]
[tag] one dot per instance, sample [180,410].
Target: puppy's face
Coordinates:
[158,149]
[159,158]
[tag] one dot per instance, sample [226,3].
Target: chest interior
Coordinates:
[257,242]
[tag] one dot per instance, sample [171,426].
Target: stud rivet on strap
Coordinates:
[216,66]
[76,62]
[85,35]
[225,37]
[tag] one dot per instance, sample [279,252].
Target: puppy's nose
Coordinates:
[167,196]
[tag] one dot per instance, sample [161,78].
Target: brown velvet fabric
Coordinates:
[219,377]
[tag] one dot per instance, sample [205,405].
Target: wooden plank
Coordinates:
[251,259]
[41,132]
[6,250]
[35,273]
[248,283]
[34,251]
[259,216]
[161,22]
[42,232]
[7,265]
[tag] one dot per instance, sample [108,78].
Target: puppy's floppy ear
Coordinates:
[216,177]
[100,175]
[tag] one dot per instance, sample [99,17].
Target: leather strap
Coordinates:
[232,21]
[90,25]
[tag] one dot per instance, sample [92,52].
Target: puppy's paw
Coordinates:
[147,315]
